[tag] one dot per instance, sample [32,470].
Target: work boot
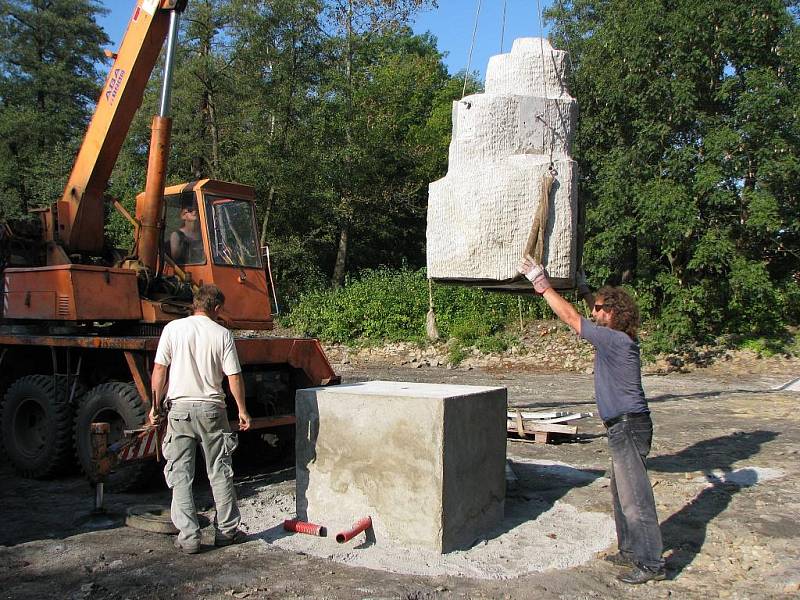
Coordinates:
[639,575]
[188,548]
[221,540]
[619,559]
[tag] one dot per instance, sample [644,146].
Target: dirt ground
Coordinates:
[724,468]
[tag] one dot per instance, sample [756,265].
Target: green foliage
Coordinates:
[456,354]
[339,116]
[49,58]
[378,305]
[392,305]
[295,271]
[690,146]
[761,346]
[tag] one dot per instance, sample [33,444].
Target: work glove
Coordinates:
[536,274]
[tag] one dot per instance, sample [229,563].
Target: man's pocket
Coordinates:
[230,441]
[177,422]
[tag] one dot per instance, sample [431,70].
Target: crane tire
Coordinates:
[117,403]
[36,427]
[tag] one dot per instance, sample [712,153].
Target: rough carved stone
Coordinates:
[480,214]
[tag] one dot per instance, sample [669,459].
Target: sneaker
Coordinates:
[639,575]
[187,548]
[221,540]
[619,559]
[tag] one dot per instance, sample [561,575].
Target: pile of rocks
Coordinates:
[546,346]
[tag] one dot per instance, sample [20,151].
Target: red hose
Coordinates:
[358,527]
[303,527]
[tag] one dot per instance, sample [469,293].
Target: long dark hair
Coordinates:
[624,312]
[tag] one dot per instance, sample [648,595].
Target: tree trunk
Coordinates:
[213,131]
[208,107]
[629,261]
[337,279]
[341,258]
[265,220]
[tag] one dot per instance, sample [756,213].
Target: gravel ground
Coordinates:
[723,466]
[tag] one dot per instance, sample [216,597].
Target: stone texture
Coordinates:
[481,212]
[425,461]
[486,241]
[521,125]
[532,68]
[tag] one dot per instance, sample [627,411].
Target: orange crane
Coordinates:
[80,320]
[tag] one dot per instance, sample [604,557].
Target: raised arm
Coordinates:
[538,277]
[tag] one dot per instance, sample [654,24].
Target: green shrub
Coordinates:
[457,354]
[387,305]
[740,303]
[761,346]
[392,305]
[381,304]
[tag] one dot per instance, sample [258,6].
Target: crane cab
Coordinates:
[209,235]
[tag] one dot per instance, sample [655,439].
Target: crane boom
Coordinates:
[80,209]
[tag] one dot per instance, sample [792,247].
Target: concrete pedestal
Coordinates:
[425,461]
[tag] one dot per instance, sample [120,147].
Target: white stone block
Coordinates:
[479,222]
[425,461]
[532,68]
[488,128]
[480,214]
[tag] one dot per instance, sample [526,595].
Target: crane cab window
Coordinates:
[232,232]
[183,236]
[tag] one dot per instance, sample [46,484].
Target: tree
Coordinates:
[278,64]
[689,142]
[49,80]
[261,98]
[356,22]
[205,90]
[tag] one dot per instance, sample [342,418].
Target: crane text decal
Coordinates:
[117,76]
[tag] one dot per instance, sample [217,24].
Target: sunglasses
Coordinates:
[599,307]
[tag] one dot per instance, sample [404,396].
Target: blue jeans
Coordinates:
[638,533]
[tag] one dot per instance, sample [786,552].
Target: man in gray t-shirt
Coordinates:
[624,411]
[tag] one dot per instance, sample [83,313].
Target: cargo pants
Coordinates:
[190,424]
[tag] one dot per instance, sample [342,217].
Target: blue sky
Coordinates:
[451,23]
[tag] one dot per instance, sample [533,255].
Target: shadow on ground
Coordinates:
[685,531]
[538,487]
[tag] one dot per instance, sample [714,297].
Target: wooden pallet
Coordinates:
[541,431]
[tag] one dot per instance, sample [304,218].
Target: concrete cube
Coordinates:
[425,461]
